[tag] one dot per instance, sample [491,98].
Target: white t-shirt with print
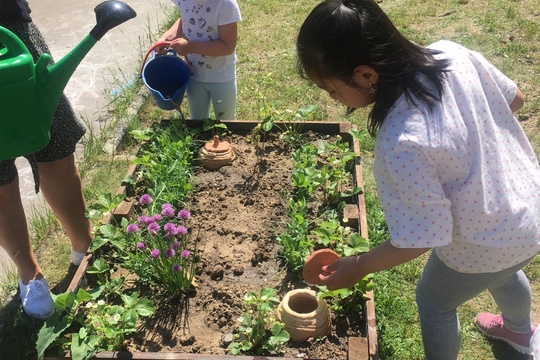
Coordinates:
[200,22]
[462,179]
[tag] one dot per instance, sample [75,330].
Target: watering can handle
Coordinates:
[159,44]
[14,46]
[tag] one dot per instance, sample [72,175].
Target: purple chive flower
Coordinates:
[185,254]
[184,214]
[175,245]
[169,253]
[181,230]
[167,211]
[153,228]
[142,219]
[145,199]
[131,228]
[158,217]
[170,228]
[140,245]
[155,253]
[176,268]
[147,220]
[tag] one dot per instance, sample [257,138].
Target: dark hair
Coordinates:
[339,35]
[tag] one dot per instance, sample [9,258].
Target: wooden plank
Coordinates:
[350,212]
[167,356]
[124,210]
[363,230]
[358,348]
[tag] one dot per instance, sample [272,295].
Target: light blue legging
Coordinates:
[222,96]
[441,290]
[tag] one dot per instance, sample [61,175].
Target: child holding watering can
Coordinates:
[55,173]
[206,33]
[455,172]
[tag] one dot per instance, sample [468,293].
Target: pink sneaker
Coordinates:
[492,326]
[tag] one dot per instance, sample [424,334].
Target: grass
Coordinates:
[506,32]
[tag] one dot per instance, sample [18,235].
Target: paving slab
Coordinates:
[109,66]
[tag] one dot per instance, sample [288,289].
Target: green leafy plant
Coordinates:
[97,326]
[295,243]
[215,126]
[105,205]
[112,285]
[259,332]
[350,300]
[166,161]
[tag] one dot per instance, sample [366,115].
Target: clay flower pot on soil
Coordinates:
[303,315]
[314,264]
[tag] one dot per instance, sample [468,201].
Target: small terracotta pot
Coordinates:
[303,315]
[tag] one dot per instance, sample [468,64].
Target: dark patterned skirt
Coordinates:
[66,129]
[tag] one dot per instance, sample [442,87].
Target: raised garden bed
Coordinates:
[236,260]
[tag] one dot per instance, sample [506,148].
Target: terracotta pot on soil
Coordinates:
[216,153]
[303,315]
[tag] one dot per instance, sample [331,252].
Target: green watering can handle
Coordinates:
[13,44]
[15,48]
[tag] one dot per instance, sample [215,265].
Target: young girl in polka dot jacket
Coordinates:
[454,170]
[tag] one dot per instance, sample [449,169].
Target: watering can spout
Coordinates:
[29,93]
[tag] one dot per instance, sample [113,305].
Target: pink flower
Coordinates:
[170,228]
[169,253]
[145,199]
[167,211]
[181,230]
[140,245]
[131,228]
[184,214]
[155,253]
[176,268]
[153,228]
[185,254]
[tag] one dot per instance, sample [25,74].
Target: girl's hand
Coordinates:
[342,273]
[181,46]
[160,50]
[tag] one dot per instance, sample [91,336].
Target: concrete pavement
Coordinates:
[111,64]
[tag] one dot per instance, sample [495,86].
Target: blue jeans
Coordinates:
[441,290]
[222,95]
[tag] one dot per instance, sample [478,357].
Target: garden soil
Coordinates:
[238,210]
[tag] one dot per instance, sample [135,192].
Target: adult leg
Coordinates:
[14,238]
[61,187]
[198,97]
[224,100]
[14,235]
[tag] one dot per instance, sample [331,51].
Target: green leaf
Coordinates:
[98,267]
[144,307]
[280,334]
[51,330]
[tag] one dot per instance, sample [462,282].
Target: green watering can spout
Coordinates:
[29,93]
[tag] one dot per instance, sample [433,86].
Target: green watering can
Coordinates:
[29,93]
